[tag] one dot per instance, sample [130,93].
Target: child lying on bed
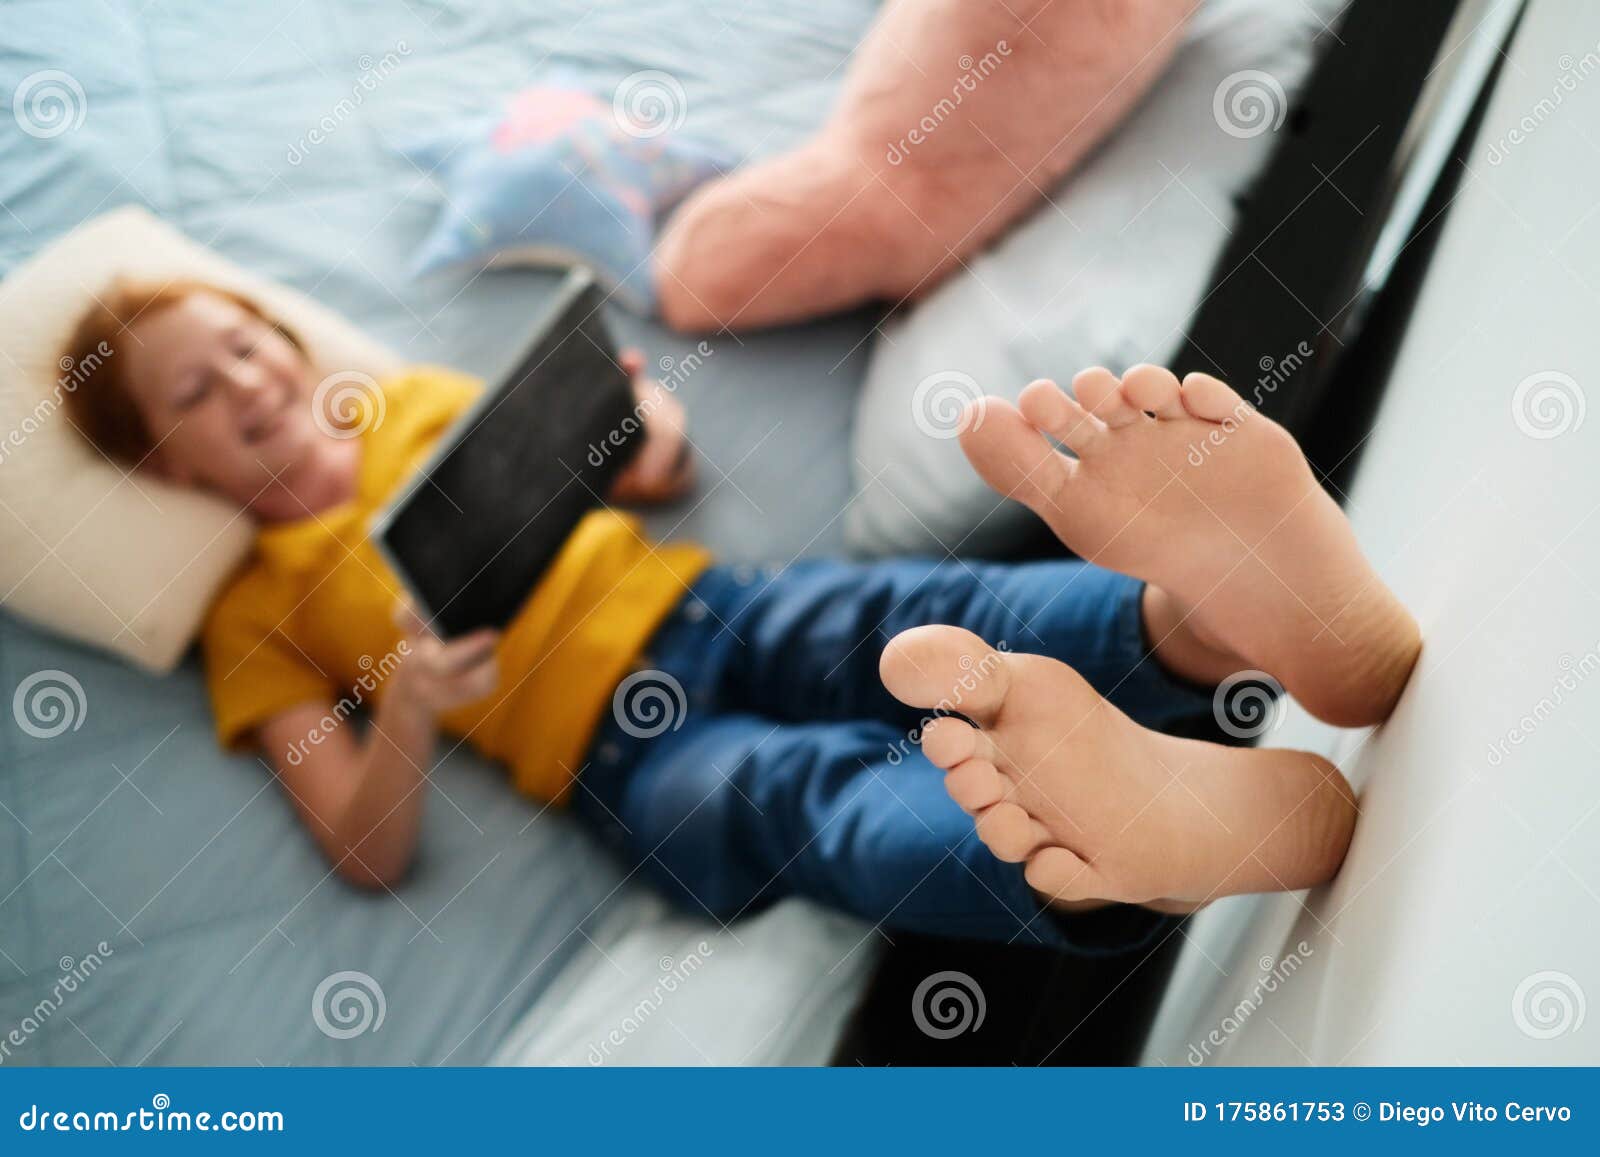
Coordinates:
[727,731]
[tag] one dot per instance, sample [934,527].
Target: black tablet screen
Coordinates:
[475,532]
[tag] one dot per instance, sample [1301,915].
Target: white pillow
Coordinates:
[121,562]
[1108,275]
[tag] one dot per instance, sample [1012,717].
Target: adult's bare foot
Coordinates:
[1101,808]
[1189,488]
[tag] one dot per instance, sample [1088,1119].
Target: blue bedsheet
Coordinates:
[218,918]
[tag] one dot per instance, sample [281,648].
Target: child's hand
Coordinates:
[437,675]
[664,467]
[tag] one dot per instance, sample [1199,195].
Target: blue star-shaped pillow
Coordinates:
[561,176]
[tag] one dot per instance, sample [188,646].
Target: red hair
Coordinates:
[100,403]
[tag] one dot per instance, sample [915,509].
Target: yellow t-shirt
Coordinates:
[309,619]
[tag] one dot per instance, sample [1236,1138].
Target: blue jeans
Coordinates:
[755,754]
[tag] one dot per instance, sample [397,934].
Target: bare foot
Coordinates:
[1214,505]
[1101,808]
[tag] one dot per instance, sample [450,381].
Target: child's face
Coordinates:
[224,395]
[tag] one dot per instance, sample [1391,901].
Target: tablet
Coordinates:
[472,532]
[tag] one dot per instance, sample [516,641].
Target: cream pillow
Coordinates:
[126,563]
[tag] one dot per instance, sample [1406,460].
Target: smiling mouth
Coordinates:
[259,431]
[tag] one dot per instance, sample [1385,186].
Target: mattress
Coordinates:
[159,904]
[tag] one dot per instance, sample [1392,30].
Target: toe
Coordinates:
[1212,398]
[1045,405]
[1061,875]
[949,742]
[975,785]
[1154,390]
[1010,833]
[946,668]
[1100,392]
[1010,454]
